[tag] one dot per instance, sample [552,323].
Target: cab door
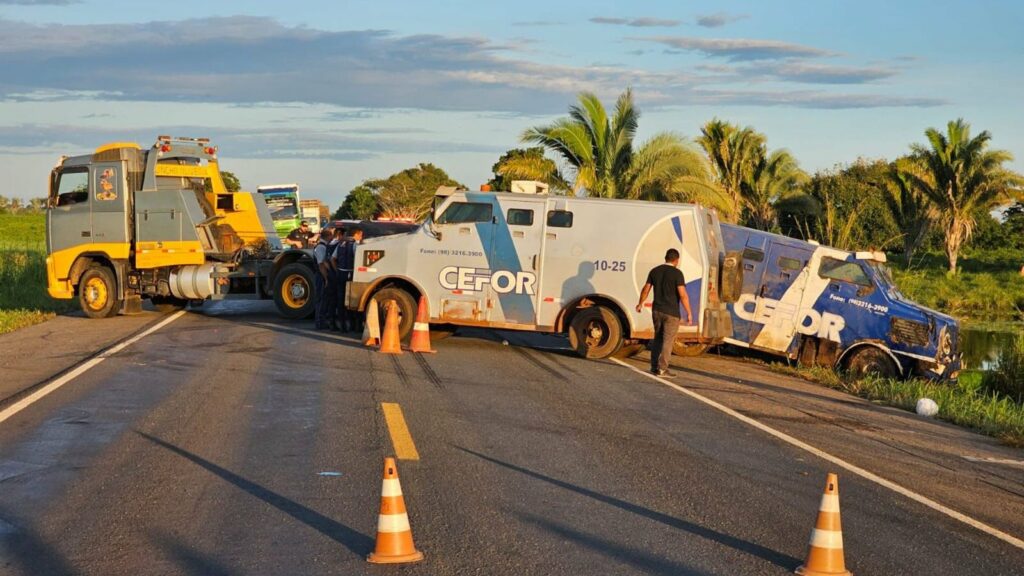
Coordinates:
[516,259]
[70,215]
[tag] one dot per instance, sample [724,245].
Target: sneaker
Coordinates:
[665,374]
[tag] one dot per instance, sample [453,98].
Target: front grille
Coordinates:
[905,331]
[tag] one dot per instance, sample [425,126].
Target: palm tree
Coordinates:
[960,175]
[732,152]
[528,164]
[773,179]
[911,209]
[600,152]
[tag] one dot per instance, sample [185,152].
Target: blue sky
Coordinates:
[328,94]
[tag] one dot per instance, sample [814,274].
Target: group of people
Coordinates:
[335,255]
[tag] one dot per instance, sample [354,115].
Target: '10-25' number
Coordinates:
[613,265]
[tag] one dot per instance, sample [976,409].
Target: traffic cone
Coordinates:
[421,330]
[825,556]
[394,536]
[391,343]
[371,327]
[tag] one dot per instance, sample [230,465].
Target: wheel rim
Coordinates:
[95,293]
[595,334]
[296,291]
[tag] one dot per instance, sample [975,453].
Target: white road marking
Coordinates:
[82,368]
[853,468]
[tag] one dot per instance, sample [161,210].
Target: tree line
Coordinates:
[939,194]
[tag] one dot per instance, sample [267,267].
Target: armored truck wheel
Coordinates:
[97,292]
[869,360]
[406,310]
[293,291]
[595,332]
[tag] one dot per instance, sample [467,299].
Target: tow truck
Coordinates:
[125,224]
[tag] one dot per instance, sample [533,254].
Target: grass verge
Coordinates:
[23,297]
[967,403]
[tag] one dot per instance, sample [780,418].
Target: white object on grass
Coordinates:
[927,407]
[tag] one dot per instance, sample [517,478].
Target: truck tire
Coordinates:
[595,332]
[406,310]
[688,349]
[97,292]
[869,360]
[165,304]
[293,291]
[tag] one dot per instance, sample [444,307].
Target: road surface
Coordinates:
[232,442]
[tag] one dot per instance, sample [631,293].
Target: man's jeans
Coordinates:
[665,328]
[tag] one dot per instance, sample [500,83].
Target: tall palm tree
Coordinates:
[528,164]
[600,151]
[961,175]
[732,152]
[773,178]
[913,212]
[598,148]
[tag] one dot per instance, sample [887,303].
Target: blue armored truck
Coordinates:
[828,307]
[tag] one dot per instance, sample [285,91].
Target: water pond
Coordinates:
[982,344]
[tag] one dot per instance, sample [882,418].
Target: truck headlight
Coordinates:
[945,343]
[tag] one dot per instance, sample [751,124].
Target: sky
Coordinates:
[330,93]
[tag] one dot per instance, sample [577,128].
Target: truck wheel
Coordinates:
[97,292]
[293,291]
[406,310]
[165,304]
[688,348]
[595,332]
[869,360]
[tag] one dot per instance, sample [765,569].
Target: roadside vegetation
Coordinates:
[975,401]
[23,297]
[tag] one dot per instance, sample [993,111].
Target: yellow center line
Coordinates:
[405,449]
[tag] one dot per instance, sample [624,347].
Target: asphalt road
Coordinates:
[232,442]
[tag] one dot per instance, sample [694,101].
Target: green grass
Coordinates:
[988,288]
[967,403]
[23,297]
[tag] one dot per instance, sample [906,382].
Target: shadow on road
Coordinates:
[357,542]
[647,562]
[777,558]
[191,560]
[22,547]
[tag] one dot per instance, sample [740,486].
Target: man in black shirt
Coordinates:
[669,292]
[301,237]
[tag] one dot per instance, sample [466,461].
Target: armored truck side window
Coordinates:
[560,219]
[73,187]
[519,217]
[791,264]
[753,255]
[851,272]
[465,213]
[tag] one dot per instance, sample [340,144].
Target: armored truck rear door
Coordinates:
[780,296]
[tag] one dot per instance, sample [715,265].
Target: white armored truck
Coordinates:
[526,260]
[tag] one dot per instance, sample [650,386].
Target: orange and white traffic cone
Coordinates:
[421,330]
[825,556]
[394,536]
[371,327]
[391,342]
